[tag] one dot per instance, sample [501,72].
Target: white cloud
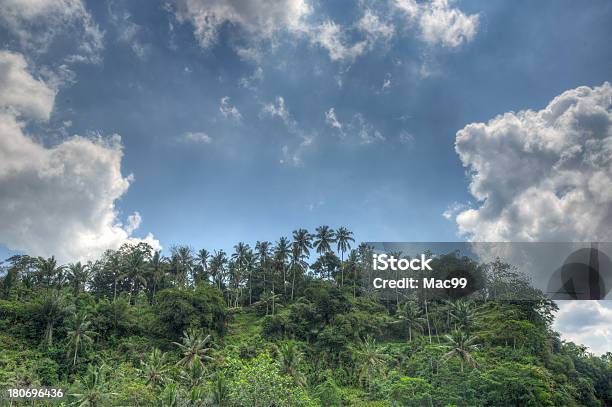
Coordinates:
[586,322]
[374,27]
[439,22]
[259,18]
[129,32]
[279,109]
[197,137]
[228,111]
[332,120]
[57,200]
[36,23]
[546,176]
[542,175]
[332,38]
[20,93]
[294,156]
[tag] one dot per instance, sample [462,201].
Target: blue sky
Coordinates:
[239,122]
[235,187]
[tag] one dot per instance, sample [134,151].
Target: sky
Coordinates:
[208,122]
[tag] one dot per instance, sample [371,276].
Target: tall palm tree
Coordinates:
[463,313]
[79,334]
[262,250]
[157,267]
[303,240]
[134,270]
[78,274]
[49,271]
[195,346]
[289,361]
[240,257]
[324,238]
[183,263]
[93,389]
[155,368]
[370,360]
[282,251]
[202,259]
[268,298]
[408,314]
[217,266]
[296,263]
[52,309]
[344,237]
[461,344]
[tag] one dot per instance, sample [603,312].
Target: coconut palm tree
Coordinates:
[157,268]
[182,264]
[217,266]
[155,367]
[268,298]
[78,274]
[289,360]
[92,390]
[463,313]
[134,270]
[202,259]
[296,263]
[79,334]
[52,309]
[282,251]
[461,344]
[324,238]
[408,314]
[195,346]
[240,257]
[49,272]
[262,252]
[344,237]
[370,360]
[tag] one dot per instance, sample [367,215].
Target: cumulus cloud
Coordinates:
[542,175]
[228,111]
[586,322]
[259,18]
[57,200]
[439,22]
[36,23]
[374,27]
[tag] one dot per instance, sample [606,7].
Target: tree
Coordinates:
[78,275]
[155,367]
[240,257]
[157,268]
[202,259]
[195,346]
[300,249]
[49,272]
[92,390]
[461,344]
[289,361]
[282,252]
[408,314]
[218,262]
[324,238]
[344,237]
[262,250]
[52,309]
[370,360]
[79,334]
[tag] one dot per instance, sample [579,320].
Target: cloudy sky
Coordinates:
[206,122]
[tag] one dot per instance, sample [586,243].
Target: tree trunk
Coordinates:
[293,284]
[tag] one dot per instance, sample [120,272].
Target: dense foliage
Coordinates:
[269,327]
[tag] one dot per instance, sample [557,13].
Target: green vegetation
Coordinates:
[264,327]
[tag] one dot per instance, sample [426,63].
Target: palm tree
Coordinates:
[463,313]
[296,263]
[78,274]
[324,238]
[194,347]
[369,359]
[240,257]
[344,237]
[53,308]
[193,374]
[202,259]
[134,271]
[262,250]
[79,334]
[268,298]
[182,262]
[282,253]
[92,390]
[48,270]
[217,267]
[157,267]
[155,367]
[408,314]
[461,344]
[289,360]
